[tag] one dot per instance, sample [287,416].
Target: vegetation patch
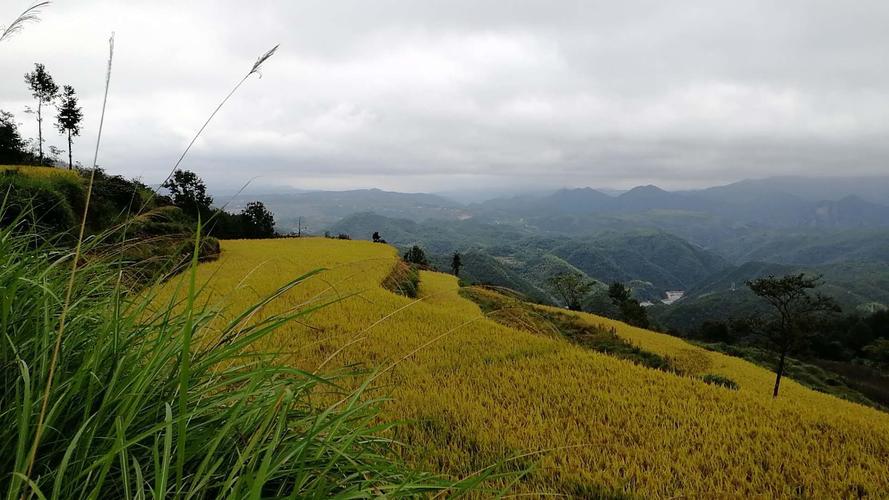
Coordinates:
[720,381]
[809,375]
[404,279]
[515,313]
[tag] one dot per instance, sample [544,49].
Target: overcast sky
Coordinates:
[463,94]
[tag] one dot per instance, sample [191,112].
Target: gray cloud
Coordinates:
[441,95]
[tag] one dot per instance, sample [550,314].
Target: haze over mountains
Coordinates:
[778,202]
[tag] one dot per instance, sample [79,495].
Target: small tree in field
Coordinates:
[45,90]
[416,255]
[572,288]
[796,312]
[69,118]
[456,263]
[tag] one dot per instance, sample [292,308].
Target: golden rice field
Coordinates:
[473,392]
[40,172]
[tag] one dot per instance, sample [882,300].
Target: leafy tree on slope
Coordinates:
[572,288]
[631,310]
[796,312]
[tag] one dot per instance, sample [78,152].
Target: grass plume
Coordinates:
[29,15]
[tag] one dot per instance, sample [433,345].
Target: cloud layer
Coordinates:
[462,94]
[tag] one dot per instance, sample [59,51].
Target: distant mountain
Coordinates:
[808,246]
[645,198]
[705,217]
[576,201]
[666,261]
[813,189]
[318,210]
[848,212]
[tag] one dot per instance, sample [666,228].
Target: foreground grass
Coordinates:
[154,398]
[474,392]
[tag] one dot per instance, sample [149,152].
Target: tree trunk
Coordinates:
[40,130]
[779,372]
[70,163]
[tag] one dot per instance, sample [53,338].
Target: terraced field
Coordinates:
[473,392]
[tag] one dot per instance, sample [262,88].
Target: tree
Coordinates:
[45,90]
[618,293]
[571,287]
[189,193]
[456,263]
[69,118]
[796,312]
[12,147]
[631,310]
[878,351]
[415,255]
[259,221]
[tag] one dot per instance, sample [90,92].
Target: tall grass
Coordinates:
[108,391]
[150,402]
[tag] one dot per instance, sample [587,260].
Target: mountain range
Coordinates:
[704,242]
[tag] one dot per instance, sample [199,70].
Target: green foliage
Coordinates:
[516,313]
[807,374]
[47,204]
[794,307]
[403,280]
[13,149]
[189,193]
[631,311]
[878,351]
[69,117]
[720,381]
[45,90]
[618,293]
[456,263]
[571,288]
[254,221]
[796,311]
[259,221]
[415,255]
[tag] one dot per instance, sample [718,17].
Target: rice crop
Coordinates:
[39,172]
[471,392]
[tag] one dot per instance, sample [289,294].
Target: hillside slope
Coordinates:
[474,392]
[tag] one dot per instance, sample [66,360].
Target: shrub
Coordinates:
[720,381]
[46,202]
[403,280]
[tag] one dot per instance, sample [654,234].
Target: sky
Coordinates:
[465,95]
